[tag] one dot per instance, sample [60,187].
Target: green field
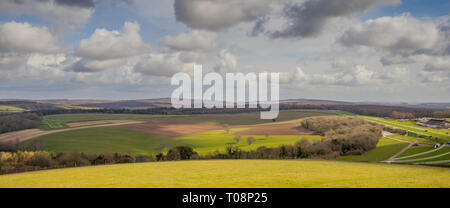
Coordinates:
[416,150]
[422,130]
[437,152]
[412,139]
[110,140]
[11,108]
[385,149]
[247,118]
[236,173]
[60,121]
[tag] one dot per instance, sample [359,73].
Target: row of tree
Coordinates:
[19,121]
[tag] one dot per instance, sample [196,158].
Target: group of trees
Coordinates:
[442,114]
[19,121]
[250,139]
[345,135]
[400,115]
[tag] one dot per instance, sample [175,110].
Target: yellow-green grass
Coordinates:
[111,139]
[236,173]
[75,107]
[11,108]
[421,130]
[412,139]
[208,142]
[385,149]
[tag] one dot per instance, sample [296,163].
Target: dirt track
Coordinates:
[33,133]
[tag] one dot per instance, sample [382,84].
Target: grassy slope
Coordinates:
[211,141]
[407,127]
[236,173]
[416,150]
[110,139]
[386,148]
[412,139]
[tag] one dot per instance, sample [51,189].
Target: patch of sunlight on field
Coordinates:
[10,108]
[385,149]
[211,141]
[236,173]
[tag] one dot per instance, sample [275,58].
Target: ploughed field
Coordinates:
[236,173]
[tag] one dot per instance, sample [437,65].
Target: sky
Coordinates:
[348,50]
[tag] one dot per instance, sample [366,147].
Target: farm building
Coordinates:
[436,123]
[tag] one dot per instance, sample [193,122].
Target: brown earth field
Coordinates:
[177,128]
[172,129]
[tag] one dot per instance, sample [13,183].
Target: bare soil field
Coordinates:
[33,133]
[274,129]
[172,129]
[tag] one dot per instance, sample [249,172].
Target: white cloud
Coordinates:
[227,62]
[165,65]
[192,41]
[399,34]
[16,37]
[112,44]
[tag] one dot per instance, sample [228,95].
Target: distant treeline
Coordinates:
[369,110]
[19,121]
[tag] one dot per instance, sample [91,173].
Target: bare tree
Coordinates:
[250,140]
[237,139]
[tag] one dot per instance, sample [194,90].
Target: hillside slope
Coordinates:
[236,173]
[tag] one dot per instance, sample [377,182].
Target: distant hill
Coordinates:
[52,104]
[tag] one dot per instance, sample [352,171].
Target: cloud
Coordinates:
[228,62]
[438,64]
[112,44]
[398,34]
[78,3]
[16,37]
[86,65]
[217,14]
[165,65]
[357,76]
[60,11]
[309,18]
[191,41]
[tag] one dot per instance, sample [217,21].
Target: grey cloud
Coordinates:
[77,3]
[310,17]
[218,14]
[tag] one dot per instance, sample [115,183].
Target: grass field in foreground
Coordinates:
[111,139]
[385,149]
[236,173]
